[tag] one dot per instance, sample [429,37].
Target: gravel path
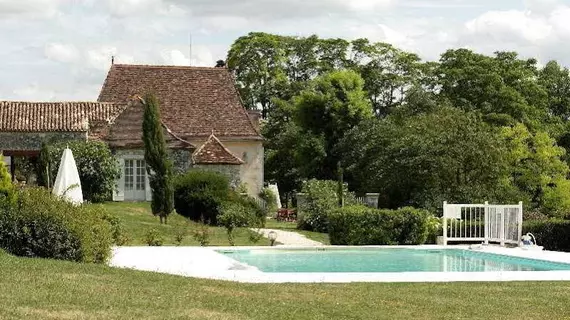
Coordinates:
[288,238]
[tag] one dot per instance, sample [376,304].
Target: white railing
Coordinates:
[482,223]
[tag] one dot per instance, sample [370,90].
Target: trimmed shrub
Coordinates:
[41,225]
[359,225]
[553,234]
[237,215]
[321,197]
[202,234]
[153,238]
[98,168]
[198,195]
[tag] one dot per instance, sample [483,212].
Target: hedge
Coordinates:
[41,225]
[359,225]
[98,169]
[553,234]
[320,198]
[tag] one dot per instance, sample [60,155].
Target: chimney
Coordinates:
[255,117]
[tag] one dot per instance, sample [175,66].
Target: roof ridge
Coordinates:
[176,136]
[157,66]
[213,137]
[62,102]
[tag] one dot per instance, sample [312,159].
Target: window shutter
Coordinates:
[119,194]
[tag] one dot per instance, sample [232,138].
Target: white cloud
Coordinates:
[510,25]
[29,8]
[61,52]
[175,58]
[264,10]
[69,55]
[34,92]
[201,56]
[541,6]
[560,20]
[100,57]
[132,7]
[364,5]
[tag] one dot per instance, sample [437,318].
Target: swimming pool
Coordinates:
[379,260]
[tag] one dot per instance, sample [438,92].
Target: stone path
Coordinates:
[288,238]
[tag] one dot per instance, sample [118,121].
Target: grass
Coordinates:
[47,289]
[292,226]
[138,220]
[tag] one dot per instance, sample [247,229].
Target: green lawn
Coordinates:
[138,219]
[292,226]
[46,289]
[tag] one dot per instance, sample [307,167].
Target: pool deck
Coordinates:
[205,262]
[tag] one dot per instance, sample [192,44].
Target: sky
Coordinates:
[60,50]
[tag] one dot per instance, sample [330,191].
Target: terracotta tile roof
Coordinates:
[19,116]
[213,151]
[193,100]
[126,131]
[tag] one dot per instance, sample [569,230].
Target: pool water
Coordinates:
[385,260]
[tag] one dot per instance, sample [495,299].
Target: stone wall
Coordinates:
[251,152]
[32,141]
[181,160]
[230,171]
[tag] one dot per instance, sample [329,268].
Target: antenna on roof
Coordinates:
[190,57]
[112,60]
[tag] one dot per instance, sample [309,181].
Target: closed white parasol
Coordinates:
[67,183]
[275,189]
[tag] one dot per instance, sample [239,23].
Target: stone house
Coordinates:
[204,121]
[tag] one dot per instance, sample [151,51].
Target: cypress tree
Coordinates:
[158,166]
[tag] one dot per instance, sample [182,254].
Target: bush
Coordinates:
[41,225]
[98,168]
[202,234]
[198,195]
[258,213]
[434,225]
[119,235]
[180,232]
[237,215]
[320,199]
[270,199]
[553,234]
[359,225]
[7,190]
[153,238]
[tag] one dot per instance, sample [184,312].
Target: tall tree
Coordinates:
[502,88]
[158,165]
[536,166]
[330,107]
[388,73]
[424,159]
[282,138]
[556,80]
[257,60]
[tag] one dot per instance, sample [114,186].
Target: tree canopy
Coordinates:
[470,127]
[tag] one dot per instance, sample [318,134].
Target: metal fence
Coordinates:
[482,223]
